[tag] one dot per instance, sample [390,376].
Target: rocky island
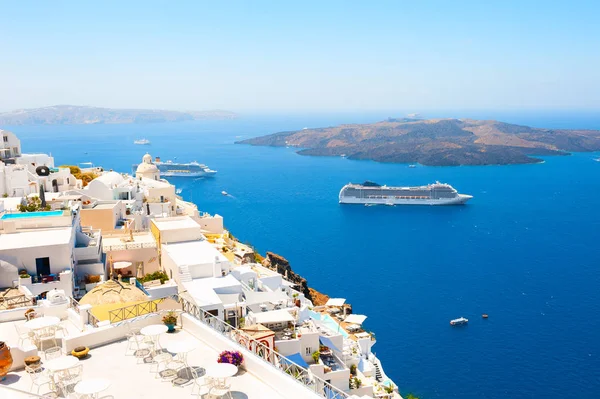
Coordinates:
[435,142]
[79,115]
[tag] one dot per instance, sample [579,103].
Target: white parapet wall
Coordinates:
[262,370]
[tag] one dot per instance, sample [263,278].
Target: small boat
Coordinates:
[369,204]
[459,321]
[412,166]
[142,142]
[224,192]
[485,316]
[178,191]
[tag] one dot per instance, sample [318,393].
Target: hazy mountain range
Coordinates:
[441,142]
[74,114]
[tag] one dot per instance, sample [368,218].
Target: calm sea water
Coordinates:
[525,250]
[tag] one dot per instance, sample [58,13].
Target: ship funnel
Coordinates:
[157,159]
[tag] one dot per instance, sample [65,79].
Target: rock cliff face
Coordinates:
[282,266]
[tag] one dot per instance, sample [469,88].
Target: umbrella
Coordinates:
[121,265]
[42,195]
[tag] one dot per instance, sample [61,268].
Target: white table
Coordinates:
[181,349]
[221,370]
[61,363]
[92,387]
[154,331]
[42,322]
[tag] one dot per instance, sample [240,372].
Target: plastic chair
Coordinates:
[39,378]
[134,338]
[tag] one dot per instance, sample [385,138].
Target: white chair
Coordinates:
[46,334]
[159,363]
[60,328]
[134,339]
[67,380]
[202,383]
[39,378]
[25,335]
[53,353]
[220,390]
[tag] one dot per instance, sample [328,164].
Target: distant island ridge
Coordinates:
[435,142]
[83,115]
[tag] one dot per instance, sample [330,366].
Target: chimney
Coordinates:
[157,159]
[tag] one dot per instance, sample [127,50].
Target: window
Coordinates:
[5,139]
[213,312]
[42,266]
[309,351]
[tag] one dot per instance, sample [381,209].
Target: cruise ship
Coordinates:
[175,169]
[375,194]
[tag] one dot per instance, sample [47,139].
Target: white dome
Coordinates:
[145,168]
[110,179]
[147,158]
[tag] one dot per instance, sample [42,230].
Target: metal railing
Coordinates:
[17,301]
[93,320]
[268,355]
[133,311]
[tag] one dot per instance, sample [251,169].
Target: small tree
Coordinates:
[316,355]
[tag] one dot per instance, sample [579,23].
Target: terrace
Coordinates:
[267,374]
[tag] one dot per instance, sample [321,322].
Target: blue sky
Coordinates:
[301,56]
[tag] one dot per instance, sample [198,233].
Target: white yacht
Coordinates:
[459,321]
[142,142]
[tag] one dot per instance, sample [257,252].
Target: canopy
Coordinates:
[295,358]
[327,342]
[355,318]
[335,302]
[256,297]
[274,316]
[121,265]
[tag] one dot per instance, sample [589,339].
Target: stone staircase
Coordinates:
[378,375]
[184,274]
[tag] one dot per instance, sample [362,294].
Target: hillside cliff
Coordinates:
[438,142]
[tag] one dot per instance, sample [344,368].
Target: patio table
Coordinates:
[92,387]
[154,331]
[181,349]
[42,322]
[221,371]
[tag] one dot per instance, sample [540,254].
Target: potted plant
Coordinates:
[231,357]
[353,369]
[80,352]
[315,356]
[25,279]
[170,320]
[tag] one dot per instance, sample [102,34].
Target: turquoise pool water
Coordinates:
[26,215]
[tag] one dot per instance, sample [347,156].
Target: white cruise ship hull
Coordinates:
[459,200]
[189,174]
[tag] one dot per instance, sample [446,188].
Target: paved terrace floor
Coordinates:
[131,380]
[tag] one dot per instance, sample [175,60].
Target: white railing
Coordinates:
[268,355]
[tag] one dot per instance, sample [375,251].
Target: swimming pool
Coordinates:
[25,215]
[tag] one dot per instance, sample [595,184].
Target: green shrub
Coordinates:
[158,275]
[316,355]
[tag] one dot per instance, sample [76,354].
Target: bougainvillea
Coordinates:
[231,357]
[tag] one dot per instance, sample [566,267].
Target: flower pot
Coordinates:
[32,361]
[6,360]
[80,352]
[171,327]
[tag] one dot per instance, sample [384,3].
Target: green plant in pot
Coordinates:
[170,320]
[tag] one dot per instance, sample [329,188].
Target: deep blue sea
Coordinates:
[525,250]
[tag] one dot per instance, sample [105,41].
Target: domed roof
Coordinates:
[146,167]
[110,179]
[112,292]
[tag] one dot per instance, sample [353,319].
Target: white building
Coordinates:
[24,174]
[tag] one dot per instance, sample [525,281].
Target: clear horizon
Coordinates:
[311,57]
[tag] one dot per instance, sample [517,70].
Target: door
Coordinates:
[42,266]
